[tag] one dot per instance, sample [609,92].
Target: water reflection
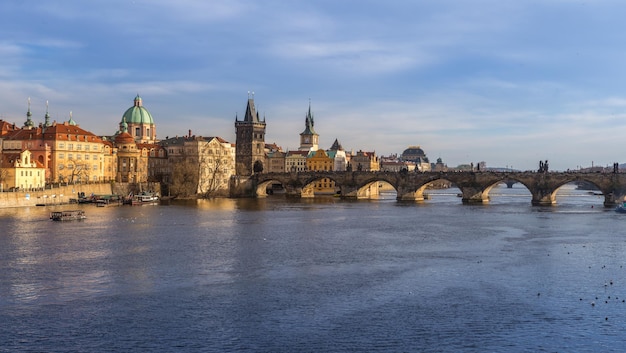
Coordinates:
[323,274]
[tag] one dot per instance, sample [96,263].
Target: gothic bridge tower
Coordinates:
[250,142]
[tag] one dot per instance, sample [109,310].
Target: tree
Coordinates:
[258,167]
[184,178]
[78,172]
[214,169]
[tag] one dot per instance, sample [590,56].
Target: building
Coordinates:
[309,139]
[76,153]
[440,166]
[216,159]
[197,165]
[109,160]
[158,168]
[250,142]
[365,161]
[338,154]
[320,161]
[132,160]
[18,171]
[295,161]
[416,155]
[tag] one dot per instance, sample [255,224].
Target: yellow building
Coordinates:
[320,161]
[76,153]
[365,161]
[132,160]
[19,171]
[109,161]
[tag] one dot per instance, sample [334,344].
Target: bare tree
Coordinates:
[213,173]
[184,179]
[78,172]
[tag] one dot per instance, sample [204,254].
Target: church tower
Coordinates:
[250,142]
[309,139]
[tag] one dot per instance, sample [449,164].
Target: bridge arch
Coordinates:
[261,187]
[368,187]
[508,181]
[408,194]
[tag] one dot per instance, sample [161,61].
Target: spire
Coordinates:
[29,121]
[309,123]
[311,115]
[71,121]
[336,146]
[47,117]
[251,113]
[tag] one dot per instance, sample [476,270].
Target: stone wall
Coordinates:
[54,196]
[63,194]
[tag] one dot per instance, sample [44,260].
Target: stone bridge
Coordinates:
[474,186]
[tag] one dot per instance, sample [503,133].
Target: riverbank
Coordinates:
[55,196]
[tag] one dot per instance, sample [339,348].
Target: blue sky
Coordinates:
[505,82]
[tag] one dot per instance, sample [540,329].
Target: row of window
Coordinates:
[78,156]
[71,166]
[79,147]
[29,173]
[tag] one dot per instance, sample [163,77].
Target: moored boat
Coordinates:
[69,215]
[148,197]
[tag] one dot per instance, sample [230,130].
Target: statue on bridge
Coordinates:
[543,166]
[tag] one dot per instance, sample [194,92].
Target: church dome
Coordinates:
[137,114]
[123,138]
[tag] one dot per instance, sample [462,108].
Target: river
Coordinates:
[320,275]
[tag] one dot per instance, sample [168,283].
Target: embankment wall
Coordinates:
[57,195]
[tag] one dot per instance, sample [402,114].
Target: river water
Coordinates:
[275,275]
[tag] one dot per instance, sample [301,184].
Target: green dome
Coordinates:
[137,114]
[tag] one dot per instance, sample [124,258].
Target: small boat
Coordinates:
[70,215]
[148,197]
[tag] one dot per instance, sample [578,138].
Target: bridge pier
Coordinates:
[417,197]
[473,195]
[543,197]
[410,193]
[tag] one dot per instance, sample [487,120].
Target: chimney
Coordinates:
[189,133]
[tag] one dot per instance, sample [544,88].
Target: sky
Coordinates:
[506,82]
